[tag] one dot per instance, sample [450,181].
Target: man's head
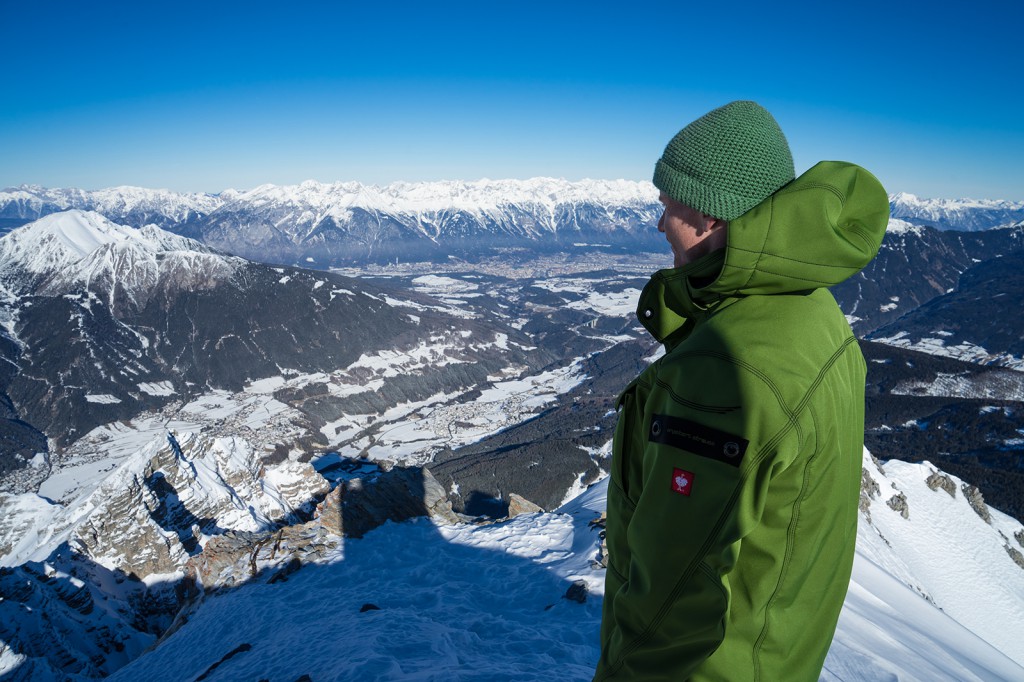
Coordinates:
[726,162]
[691,234]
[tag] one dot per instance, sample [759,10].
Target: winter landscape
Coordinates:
[355,432]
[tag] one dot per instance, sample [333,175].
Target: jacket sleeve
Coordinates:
[689,484]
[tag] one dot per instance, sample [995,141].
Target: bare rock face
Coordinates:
[869,490]
[1015,554]
[152,518]
[898,503]
[395,495]
[937,480]
[351,510]
[976,500]
[517,504]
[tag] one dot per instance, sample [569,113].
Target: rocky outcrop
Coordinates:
[517,504]
[352,509]
[395,495]
[151,518]
[898,503]
[1015,554]
[977,502]
[869,490]
[937,480]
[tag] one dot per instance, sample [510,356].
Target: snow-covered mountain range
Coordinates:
[968,215]
[348,223]
[134,206]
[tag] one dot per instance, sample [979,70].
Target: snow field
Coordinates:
[486,603]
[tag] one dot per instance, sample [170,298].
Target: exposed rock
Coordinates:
[601,561]
[1015,554]
[937,480]
[869,490]
[577,592]
[976,501]
[877,462]
[899,503]
[153,518]
[517,504]
[395,495]
[328,512]
[352,509]
[1019,535]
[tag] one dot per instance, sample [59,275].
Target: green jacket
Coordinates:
[732,505]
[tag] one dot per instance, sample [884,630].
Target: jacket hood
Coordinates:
[816,231]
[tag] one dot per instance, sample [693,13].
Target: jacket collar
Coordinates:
[676,299]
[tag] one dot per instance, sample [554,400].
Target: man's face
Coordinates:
[690,233]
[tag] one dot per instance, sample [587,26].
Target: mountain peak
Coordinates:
[74,248]
[59,240]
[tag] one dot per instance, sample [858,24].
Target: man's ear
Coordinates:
[711,223]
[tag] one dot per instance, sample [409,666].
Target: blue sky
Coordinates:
[202,97]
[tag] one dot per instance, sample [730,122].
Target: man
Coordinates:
[732,505]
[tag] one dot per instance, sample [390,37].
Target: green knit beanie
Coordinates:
[726,162]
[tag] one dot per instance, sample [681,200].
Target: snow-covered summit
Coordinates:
[61,240]
[898,226]
[957,214]
[58,241]
[83,248]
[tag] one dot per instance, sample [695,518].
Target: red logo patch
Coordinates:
[682,482]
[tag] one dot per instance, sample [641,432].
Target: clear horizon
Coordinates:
[240,95]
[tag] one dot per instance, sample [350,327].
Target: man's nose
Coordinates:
[661,222]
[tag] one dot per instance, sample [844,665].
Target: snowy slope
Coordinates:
[71,249]
[58,241]
[471,602]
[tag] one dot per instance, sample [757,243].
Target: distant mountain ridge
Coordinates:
[346,223]
[135,206]
[968,215]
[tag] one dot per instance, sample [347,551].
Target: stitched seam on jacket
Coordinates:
[791,259]
[791,423]
[760,252]
[815,185]
[713,409]
[794,522]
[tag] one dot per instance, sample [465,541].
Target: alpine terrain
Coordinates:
[219,463]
